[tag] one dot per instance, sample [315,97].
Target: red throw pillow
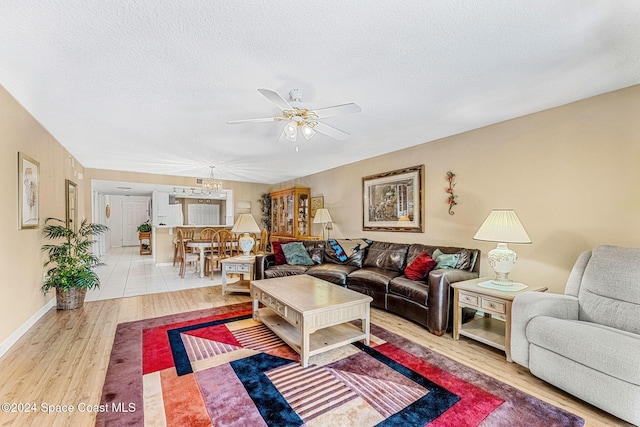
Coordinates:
[420,267]
[276,248]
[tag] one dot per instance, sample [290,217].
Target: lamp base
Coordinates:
[502,279]
[246,243]
[502,259]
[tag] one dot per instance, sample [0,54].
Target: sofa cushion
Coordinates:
[386,256]
[445,260]
[470,265]
[420,267]
[376,279]
[276,248]
[296,254]
[464,259]
[582,342]
[284,270]
[315,248]
[346,251]
[333,273]
[610,290]
[412,290]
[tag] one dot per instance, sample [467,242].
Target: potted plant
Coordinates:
[145,227]
[71,262]
[144,235]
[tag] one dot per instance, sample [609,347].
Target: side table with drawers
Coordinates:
[494,328]
[242,266]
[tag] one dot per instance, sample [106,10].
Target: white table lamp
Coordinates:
[246,224]
[323,217]
[502,226]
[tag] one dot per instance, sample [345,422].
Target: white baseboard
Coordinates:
[14,337]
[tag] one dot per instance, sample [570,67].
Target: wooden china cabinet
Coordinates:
[290,214]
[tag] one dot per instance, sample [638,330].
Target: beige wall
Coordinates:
[21,259]
[571,173]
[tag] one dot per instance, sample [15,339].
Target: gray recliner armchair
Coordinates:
[587,341]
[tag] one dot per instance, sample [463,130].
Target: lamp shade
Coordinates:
[322,216]
[502,225]
[245,224]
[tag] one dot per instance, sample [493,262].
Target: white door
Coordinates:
[134,213]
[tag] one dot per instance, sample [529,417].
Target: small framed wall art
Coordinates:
[316,203]
[28,192]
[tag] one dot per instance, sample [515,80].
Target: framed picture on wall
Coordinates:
[71,199]
[28,192]
[392,201]
[316,203]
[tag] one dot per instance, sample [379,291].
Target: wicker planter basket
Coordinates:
[70,299]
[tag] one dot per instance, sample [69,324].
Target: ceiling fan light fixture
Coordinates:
[291,131]
[307,132]
[297,114]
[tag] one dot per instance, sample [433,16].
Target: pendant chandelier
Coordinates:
[211,184]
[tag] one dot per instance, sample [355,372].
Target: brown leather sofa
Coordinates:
[378,271]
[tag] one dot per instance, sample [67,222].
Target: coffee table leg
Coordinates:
[366,325]
[256,304]
[304,346]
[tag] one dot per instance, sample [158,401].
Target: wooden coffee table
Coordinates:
[309,314]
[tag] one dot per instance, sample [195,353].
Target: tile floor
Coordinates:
[127,273]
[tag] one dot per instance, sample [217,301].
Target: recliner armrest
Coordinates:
[533,304]
[439,300]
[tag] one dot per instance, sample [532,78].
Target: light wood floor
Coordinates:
[62,360]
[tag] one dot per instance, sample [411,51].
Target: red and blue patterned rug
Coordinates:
[219,367]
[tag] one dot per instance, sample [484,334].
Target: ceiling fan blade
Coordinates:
[337,110]
[262,120]
[275,97]
[330,131]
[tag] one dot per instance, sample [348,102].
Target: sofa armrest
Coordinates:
[263,262]
[439,299]
[533,304]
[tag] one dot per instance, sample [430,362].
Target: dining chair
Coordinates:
[187,233]
[261,244]
[183,256]
[207,233]
[219,245]
[231,243]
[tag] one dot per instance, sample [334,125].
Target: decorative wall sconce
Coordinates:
[451,200]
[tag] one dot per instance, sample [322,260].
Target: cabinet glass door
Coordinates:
[303,214]
[282,216]
[274,216]
[289,215]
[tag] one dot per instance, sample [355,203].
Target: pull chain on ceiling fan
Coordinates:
[299,115]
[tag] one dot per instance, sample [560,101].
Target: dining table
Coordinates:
[201,246]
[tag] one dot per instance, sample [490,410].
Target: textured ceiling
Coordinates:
[149,85]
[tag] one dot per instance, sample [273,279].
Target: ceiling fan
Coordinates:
[299,115]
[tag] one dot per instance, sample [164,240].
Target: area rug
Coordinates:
[220,367]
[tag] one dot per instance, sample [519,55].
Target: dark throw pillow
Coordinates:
[296,254]
[276,248]
[464,260]
[420,267]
